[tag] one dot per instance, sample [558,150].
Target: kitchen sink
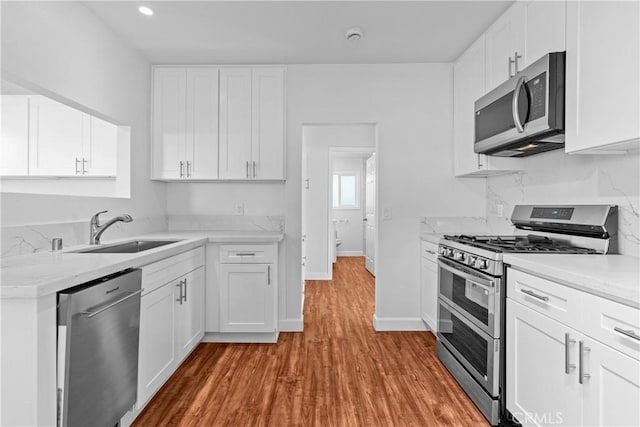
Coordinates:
[127,247]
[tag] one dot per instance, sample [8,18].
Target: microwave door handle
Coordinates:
[514,104]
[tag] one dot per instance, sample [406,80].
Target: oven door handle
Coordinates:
[482,282]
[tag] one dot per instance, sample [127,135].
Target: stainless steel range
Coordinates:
[471,298]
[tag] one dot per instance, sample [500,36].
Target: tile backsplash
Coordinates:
[556,177]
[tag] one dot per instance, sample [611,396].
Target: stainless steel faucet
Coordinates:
[96,230]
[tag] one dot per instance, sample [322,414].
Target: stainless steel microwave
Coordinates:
[525,114]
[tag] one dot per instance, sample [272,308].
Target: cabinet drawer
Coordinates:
[161,272]
[429,250]
[247,254]
[613,324]
[553,299]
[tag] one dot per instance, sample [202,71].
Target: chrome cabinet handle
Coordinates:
[511,61]
[188,169]
[268,274]
[247,168]
[181,169]
[254,169]
[246,254]
[515,62]
[430,251]
[514,104]
[533,294]
[179,299]
[581,374]
[568,366]
[185,289]
[108,306]
[628,332]
[77,170]
[84,161]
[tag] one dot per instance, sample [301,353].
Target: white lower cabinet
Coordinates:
[429,284]
[171,318]
[561,375]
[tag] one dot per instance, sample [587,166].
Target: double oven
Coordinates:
[470,305]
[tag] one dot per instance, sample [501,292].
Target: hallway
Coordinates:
[338,372]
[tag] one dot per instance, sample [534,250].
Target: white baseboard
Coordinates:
[240,337]
[430,322]
[398,324]
[350,253]
[291,325]
[318,276]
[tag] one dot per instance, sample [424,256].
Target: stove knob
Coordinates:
[458,256]
[449,252]
[443,251]
[472,261]
[481,264]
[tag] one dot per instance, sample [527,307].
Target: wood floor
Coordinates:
[339,372]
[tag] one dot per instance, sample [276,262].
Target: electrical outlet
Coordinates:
[500,210]
[238,209]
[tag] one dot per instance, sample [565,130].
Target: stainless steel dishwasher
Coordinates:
[98,327]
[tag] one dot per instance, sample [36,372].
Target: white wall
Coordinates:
[63,48]
[349,222]
[411,105]
[556,177]
[318,140]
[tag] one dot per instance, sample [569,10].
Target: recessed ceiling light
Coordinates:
[145,10]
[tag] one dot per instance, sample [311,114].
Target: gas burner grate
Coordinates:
[517,244]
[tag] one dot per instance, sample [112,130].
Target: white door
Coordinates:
[370,215]
[201,149]
[169,122]
[157,348]
[267,128]
[539,392]
[14,147]
[612,392]
[190,313]
[429,292]
[235,123]
[99,152]
[247,298]
[56,135]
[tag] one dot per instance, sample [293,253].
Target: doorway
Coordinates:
[326,146]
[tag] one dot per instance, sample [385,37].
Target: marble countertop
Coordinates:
[614,277]
[431,237]
[44,273]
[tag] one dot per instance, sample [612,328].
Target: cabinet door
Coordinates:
[429,293]
[99,152]
[539,392]
[503,39]
[156,358]
[267,127]
[602,74]
[14,146]
[201,150]
[235,123]
[544,30]
[468,86]
[247,298]
[190,317]
[56,134]
[169,122]
[612,392]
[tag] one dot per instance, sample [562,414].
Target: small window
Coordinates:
[346,190]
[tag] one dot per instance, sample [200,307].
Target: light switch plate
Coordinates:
[238,209]
[387,214]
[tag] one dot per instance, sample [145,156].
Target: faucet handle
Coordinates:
[94,218]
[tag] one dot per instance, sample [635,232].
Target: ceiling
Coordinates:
[299,32]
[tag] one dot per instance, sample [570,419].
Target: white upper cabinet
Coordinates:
[15,135]
[544,29]
[468,86]
[252,123]
[185,123]
[603,76]
[101,154]
[505,46]
[235,123]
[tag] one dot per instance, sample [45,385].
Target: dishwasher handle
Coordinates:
[108,306]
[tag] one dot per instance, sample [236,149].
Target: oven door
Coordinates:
[475,295]
[475,350]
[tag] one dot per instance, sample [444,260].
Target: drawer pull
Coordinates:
[581,374]
[430,252]
[568,366]
[533,294]
[246,254]
[630,333]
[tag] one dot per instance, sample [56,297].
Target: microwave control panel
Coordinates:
[537,88]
